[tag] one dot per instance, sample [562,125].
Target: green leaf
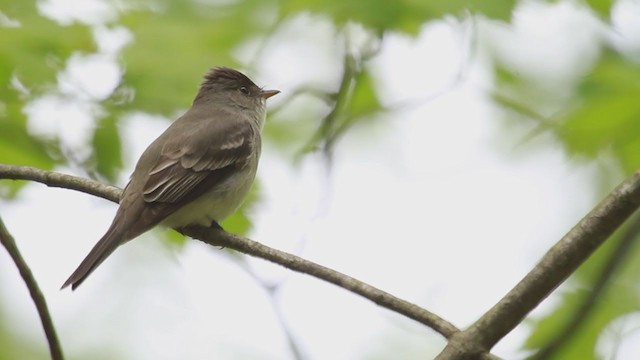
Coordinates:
[364,99]
[618,299]
[362,104]
[607,114]
[602,115]
[239,222]
[175,46]
[497,10]
[173,238]
[37,49]
[33,51]
[402,16]
[602,7]
[17,147]
[15,345]
[107,147]
[289,132]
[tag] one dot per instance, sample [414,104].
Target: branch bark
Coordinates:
[559,262]
[38,299]
[217,237]
[620,256]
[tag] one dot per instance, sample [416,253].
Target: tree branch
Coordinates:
[620,255]
[59,180]
[559,262]
[272,290]
[218,237]
[38,299]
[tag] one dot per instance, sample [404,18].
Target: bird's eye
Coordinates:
[244,90]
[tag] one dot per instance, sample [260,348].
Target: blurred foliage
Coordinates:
[181,42]
[239,222]
[607,112]
[403,16]
[34,48]
[602,7]
[175,42]
[618,298]
[596,119]
[600,118]
[14,348]
[355,101]
[107,148]
[32,51]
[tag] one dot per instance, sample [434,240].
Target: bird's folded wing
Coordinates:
[183,165]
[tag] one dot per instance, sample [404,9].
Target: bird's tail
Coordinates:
[107,245]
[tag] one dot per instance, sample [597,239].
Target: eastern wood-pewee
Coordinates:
[197,172]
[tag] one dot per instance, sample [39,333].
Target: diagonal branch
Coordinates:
[557,264]
[221,238]
[620,255]
[41,305]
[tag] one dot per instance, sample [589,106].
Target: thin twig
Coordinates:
[217,237]
[221,238]
[312,90]
[272,290]
[559,262]
[296,350]
[469,50]
[325,130]
[38,299]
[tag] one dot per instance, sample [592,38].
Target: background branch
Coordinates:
[272,290]
[559,262]
[38,299]
[221,238]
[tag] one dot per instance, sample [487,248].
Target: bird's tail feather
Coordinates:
[107,245]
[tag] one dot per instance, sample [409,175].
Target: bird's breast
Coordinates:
[216,204]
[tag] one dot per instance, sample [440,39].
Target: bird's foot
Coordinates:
[215,225]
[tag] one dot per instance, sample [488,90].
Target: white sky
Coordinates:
[435,204]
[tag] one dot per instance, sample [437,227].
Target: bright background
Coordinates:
[439,191]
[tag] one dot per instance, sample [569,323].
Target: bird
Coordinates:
[197,172]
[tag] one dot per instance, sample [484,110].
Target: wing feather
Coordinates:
[183,166]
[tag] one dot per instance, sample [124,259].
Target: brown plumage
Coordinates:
[197,172]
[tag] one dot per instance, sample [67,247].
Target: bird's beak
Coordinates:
[265,94]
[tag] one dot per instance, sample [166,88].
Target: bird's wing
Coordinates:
[188,165]
[205,154]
